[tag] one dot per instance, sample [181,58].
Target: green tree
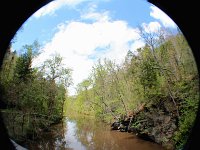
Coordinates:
[55,72]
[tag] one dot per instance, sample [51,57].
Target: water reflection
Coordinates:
[88,134]
[71,136]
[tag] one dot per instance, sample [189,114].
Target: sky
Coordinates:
[83,31]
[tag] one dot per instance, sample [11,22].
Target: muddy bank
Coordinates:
[155,122]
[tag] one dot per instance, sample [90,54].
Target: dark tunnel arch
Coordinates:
[184,13]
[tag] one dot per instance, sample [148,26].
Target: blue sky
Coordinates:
[84,30]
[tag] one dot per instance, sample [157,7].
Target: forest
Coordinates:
[158,85]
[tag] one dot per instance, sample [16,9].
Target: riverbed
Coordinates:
[89,134]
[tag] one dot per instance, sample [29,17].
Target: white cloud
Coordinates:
[137,44]
[151,27]
[81,44]
[163,17]
[91,14]
[96,16]
[55,5]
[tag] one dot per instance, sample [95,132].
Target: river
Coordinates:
[88,134]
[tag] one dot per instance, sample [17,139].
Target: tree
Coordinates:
[154,39]
[55,72]
[23,69]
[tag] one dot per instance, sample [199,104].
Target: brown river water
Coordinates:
[88,134]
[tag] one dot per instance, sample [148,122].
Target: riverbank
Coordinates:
[156,122]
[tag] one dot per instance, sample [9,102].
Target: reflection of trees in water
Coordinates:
[85,131]
[90,134]
[94,135]
[54,140]
[60,139]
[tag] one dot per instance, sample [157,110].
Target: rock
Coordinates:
[146,137]
[156,123]
[134,130]
[123,128]
[115,125]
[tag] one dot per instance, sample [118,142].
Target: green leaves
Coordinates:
[34,100]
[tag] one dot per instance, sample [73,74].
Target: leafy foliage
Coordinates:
[33,99]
